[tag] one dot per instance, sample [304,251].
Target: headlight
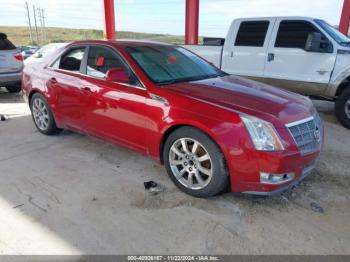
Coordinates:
[263,134]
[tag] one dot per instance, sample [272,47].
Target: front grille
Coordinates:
[307,134]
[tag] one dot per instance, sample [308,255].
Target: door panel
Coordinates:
[248,53]
[291,61]
[117,112]
[65,79]
[71,101]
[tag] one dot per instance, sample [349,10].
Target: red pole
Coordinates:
[345,18]
[192,17]
[109,20]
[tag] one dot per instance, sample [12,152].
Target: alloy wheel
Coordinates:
[190,163]
[40,114]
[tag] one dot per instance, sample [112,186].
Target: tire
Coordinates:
[42,115]
[200,174]
[342,108]
[14,89]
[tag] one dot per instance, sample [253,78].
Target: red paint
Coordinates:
[109,19]
[345,18]
[192,18]
[129,116]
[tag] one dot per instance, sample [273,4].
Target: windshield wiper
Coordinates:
[188,79]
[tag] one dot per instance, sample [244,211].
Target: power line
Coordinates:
[29,23]
[36,26]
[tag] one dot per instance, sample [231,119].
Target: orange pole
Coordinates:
[192,19]
[345,18]
[109,20]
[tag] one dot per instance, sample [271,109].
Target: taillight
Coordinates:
[18,56]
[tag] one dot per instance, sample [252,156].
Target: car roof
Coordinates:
[121,42]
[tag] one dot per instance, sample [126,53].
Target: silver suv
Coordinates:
[11,65]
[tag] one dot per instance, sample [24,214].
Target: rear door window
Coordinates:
[252,33]
[71,61]
[6,44]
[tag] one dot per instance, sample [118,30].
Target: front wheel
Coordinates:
[195,163]
[342,108]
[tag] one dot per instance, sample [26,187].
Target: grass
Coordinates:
[19,35]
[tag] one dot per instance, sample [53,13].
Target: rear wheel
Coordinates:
[342,108]
[14,89]
[195,163]
[42,115]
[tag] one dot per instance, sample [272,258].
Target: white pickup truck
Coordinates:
[301,54]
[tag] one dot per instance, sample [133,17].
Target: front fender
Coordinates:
[336,81]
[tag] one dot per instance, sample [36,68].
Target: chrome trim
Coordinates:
[159,98]
[296,123]
[49,65]
[98,78]
[300,121]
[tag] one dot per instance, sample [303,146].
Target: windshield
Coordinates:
[50,47]
[169,64]
[334,33]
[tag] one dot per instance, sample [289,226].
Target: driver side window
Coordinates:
[102,59]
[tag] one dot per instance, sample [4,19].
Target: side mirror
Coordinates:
[37,55]
[117,75]
[314,43]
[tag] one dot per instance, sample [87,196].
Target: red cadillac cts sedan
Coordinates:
[211,130]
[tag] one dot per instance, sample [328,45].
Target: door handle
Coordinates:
[53,80]
[86,90]
[270,57]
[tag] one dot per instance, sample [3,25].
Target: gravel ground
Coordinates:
[72,194]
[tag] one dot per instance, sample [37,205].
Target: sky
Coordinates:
[165,16]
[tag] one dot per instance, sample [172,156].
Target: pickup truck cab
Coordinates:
[301,54]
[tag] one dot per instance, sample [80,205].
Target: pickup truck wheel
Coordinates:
[342,108]
[195,163]
[42,115]
[13,89]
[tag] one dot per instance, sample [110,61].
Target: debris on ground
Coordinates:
[153,187]
[3,117]
[18,206]
[316,207]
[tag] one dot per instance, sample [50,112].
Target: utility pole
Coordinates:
[43,16]
[41,24]
[30,24]
[36,26]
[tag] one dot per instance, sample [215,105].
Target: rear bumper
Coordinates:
[10,78]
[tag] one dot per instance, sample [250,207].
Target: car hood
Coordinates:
[249,97]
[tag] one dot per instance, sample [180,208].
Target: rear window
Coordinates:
[6,44]
[252,33]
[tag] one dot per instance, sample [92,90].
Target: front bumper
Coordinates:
[247,164]
[10,78]
[283,187]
